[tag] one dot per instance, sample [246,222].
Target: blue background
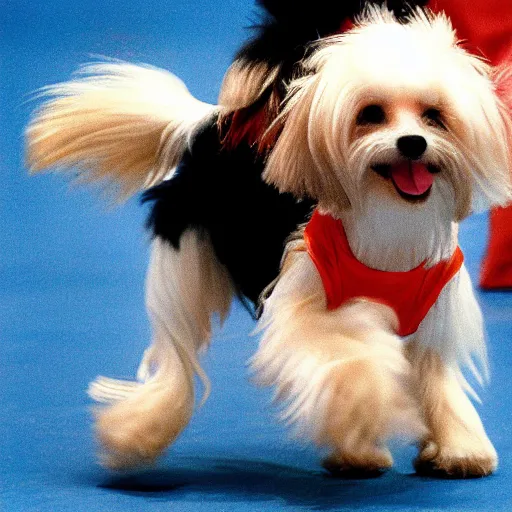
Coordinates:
[72,307]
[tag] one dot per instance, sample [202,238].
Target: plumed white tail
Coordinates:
[118,123]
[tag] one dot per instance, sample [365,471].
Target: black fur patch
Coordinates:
[285,29]
[221,192]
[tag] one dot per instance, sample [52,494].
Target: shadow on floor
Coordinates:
[257,481]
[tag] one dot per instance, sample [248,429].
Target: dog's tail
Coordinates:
[118,123]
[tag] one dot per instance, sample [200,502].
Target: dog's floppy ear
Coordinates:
[301,161]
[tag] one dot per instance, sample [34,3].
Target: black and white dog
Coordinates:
[229,183]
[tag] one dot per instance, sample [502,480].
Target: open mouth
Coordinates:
[412,180]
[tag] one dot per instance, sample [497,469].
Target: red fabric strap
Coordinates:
[411,294]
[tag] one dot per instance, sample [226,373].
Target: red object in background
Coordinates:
[496,270]
[410,294]
[485,24]
[487,27]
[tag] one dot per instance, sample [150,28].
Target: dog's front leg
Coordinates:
[340,375]
[456,444]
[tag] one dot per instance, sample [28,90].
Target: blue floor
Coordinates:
[71,307]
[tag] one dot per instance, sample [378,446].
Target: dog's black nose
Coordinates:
[411,146]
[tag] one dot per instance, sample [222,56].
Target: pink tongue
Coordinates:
[412,178]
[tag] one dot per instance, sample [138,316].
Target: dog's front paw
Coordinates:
[363,464]
[369,404]
[457,460]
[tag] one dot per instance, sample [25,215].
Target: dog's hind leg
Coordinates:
[185,287]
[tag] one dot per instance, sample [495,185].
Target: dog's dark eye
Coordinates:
[371,114]
[433,117]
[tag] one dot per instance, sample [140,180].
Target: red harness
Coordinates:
[411,294]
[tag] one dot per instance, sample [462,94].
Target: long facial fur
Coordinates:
[321,153]
[316,153]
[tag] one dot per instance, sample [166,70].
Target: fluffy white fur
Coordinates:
[343,378]
[129,126]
